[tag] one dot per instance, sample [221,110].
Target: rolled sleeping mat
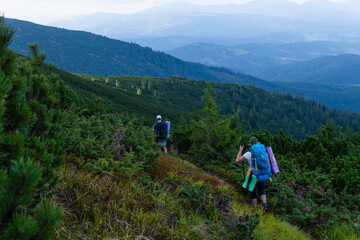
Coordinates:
[168,129]
[273,163]
[252,182]
[246,182]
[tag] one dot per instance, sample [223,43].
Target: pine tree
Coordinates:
[29,143]
[211,133]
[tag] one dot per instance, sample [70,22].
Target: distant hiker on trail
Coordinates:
[259,171]
[160,129]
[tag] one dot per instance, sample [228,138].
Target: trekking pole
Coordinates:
[279,195]
[243,165]
[243,170]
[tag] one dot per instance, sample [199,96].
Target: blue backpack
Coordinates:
[162,130]
[260,164]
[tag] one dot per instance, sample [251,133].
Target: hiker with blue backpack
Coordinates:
[259,170]
[161,129]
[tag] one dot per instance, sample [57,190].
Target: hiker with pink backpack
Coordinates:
[262,164]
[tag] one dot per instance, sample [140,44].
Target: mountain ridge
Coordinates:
[83,52]
[233,56]
[341,69]
[184,24]
[326,16]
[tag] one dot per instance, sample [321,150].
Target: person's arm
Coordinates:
[240,157]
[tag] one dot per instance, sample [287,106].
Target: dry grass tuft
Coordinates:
[166,164]
[101,206]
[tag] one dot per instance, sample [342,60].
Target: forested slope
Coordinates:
[333,70]
[177,98]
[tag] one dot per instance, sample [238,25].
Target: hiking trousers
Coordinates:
[259,188]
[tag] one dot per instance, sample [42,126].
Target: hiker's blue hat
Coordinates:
[158,117]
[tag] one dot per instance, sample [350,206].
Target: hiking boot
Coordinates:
[265,206]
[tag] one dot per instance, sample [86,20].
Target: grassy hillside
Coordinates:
[183,202]
[176,98]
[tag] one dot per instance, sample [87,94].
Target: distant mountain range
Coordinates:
[193,24]
[252,58]
[335,70]
[87,53]
[259,20]
[83,52]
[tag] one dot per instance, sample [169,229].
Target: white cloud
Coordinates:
[40,10]
[44,11]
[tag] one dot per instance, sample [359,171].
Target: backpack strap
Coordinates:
[251,159]
[268,160]
[254,159]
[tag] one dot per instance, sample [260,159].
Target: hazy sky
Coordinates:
[45,11]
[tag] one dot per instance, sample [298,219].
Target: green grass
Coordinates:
[100,206]
[112,207]
[341,231]
[271,228]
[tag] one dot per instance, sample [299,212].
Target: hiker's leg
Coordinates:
[162,143]
[261,190]
[165,149]
[254,202]
[253,196]
[263,198]
[262,195]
